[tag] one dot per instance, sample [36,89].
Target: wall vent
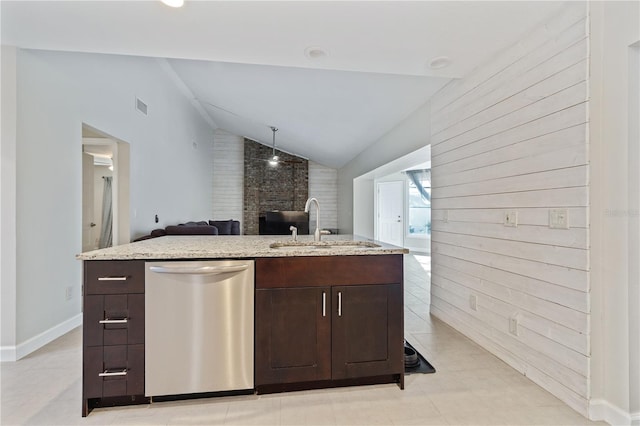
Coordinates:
[141,106]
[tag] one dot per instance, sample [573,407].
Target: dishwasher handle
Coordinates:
[197,270]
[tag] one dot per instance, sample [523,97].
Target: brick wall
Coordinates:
[266,188]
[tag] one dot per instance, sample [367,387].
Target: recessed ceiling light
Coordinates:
[439,62]
[315,52]
[173,3]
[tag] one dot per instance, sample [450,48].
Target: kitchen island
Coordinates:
[326,313]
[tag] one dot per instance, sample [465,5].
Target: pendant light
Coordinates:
[273,161]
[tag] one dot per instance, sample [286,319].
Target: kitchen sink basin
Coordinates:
[320,245]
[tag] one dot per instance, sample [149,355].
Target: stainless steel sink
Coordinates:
[303,245]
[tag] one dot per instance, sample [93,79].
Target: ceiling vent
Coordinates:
[141,106]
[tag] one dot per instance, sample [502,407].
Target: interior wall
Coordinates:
[228,176]
[363,207]
[408,136]
[8,122]
[615,30]
[323,183]
[228,182]
[511,137]
[284,187]
[170,162]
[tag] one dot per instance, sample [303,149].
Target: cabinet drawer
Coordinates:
[113,371]
[116,319]
[318,271]
[113,276]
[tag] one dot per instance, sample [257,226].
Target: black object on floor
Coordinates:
[414,362]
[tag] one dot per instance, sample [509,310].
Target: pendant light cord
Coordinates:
[274,130]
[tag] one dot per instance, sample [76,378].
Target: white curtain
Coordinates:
[106,234]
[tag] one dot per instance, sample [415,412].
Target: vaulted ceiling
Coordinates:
[244,63]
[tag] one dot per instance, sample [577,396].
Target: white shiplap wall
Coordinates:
[323,185]
[228,180]
[228,176]
[512,135]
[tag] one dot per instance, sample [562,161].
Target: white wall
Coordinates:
[363,207]
[56,93]
[8,121]
[615,27]
[228,176]
[408,136]
[513,135]
[323,185]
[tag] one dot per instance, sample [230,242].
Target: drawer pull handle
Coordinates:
[112,278]
[114,321]
[108,373]
[339,303]
[324,304]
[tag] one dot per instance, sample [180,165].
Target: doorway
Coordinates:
[390,209]
[105,190]
[366,205]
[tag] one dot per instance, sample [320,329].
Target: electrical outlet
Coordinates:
[68,293]
[511,218]
[559,219]
[473,302]
[445,216]
[513,325]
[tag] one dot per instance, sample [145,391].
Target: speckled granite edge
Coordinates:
[227,247]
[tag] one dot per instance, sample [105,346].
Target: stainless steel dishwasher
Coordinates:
[198,326]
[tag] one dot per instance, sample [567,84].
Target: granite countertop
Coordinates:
[239,246]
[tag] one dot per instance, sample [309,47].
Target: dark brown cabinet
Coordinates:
[292,335]
[323,321]
[367,335]
[113,333]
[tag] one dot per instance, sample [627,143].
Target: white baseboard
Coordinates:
[600,409]
[14,353]
[7,353]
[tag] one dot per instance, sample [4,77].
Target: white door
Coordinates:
[391,212]
[88,225]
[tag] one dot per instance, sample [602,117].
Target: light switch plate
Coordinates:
[445,216]
[511,218]
[473,302]
[559,219]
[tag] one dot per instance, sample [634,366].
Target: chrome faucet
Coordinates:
[317,233]
[294,232]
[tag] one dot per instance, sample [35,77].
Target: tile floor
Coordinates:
[471,386]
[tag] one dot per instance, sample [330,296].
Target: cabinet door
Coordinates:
[367,331]
[293,335]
